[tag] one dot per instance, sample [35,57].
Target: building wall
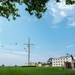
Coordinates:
[60,61]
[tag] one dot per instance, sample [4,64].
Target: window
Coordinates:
[61,64]
[58,61]
[66,58]
[63,58]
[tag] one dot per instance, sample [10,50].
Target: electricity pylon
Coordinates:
[29,50]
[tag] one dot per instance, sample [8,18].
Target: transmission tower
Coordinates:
[28,50]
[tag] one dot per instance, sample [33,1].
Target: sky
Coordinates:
[53,35]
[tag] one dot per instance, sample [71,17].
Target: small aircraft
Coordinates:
[15,43]
[24,48]
[2,45]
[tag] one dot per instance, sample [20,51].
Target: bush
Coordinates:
[28,66]
[3,65]
[15,65]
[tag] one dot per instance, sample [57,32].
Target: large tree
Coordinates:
[37,7]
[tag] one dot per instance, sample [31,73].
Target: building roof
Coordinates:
[62,57]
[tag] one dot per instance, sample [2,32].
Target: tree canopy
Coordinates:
[38,7]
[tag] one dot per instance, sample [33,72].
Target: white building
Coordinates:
[60,61]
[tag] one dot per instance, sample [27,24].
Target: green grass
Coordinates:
[34,71]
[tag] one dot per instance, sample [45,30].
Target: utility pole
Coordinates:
[29,50]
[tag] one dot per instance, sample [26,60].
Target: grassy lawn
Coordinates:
[34,71]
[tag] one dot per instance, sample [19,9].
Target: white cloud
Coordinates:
[60,11]
[72,24]
[8,59]
[10,47]
[70,46]
[11,54]
[54,26]
[63,14]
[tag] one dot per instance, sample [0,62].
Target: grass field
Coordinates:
[34,71]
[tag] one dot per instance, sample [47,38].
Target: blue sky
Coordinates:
[53,35]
